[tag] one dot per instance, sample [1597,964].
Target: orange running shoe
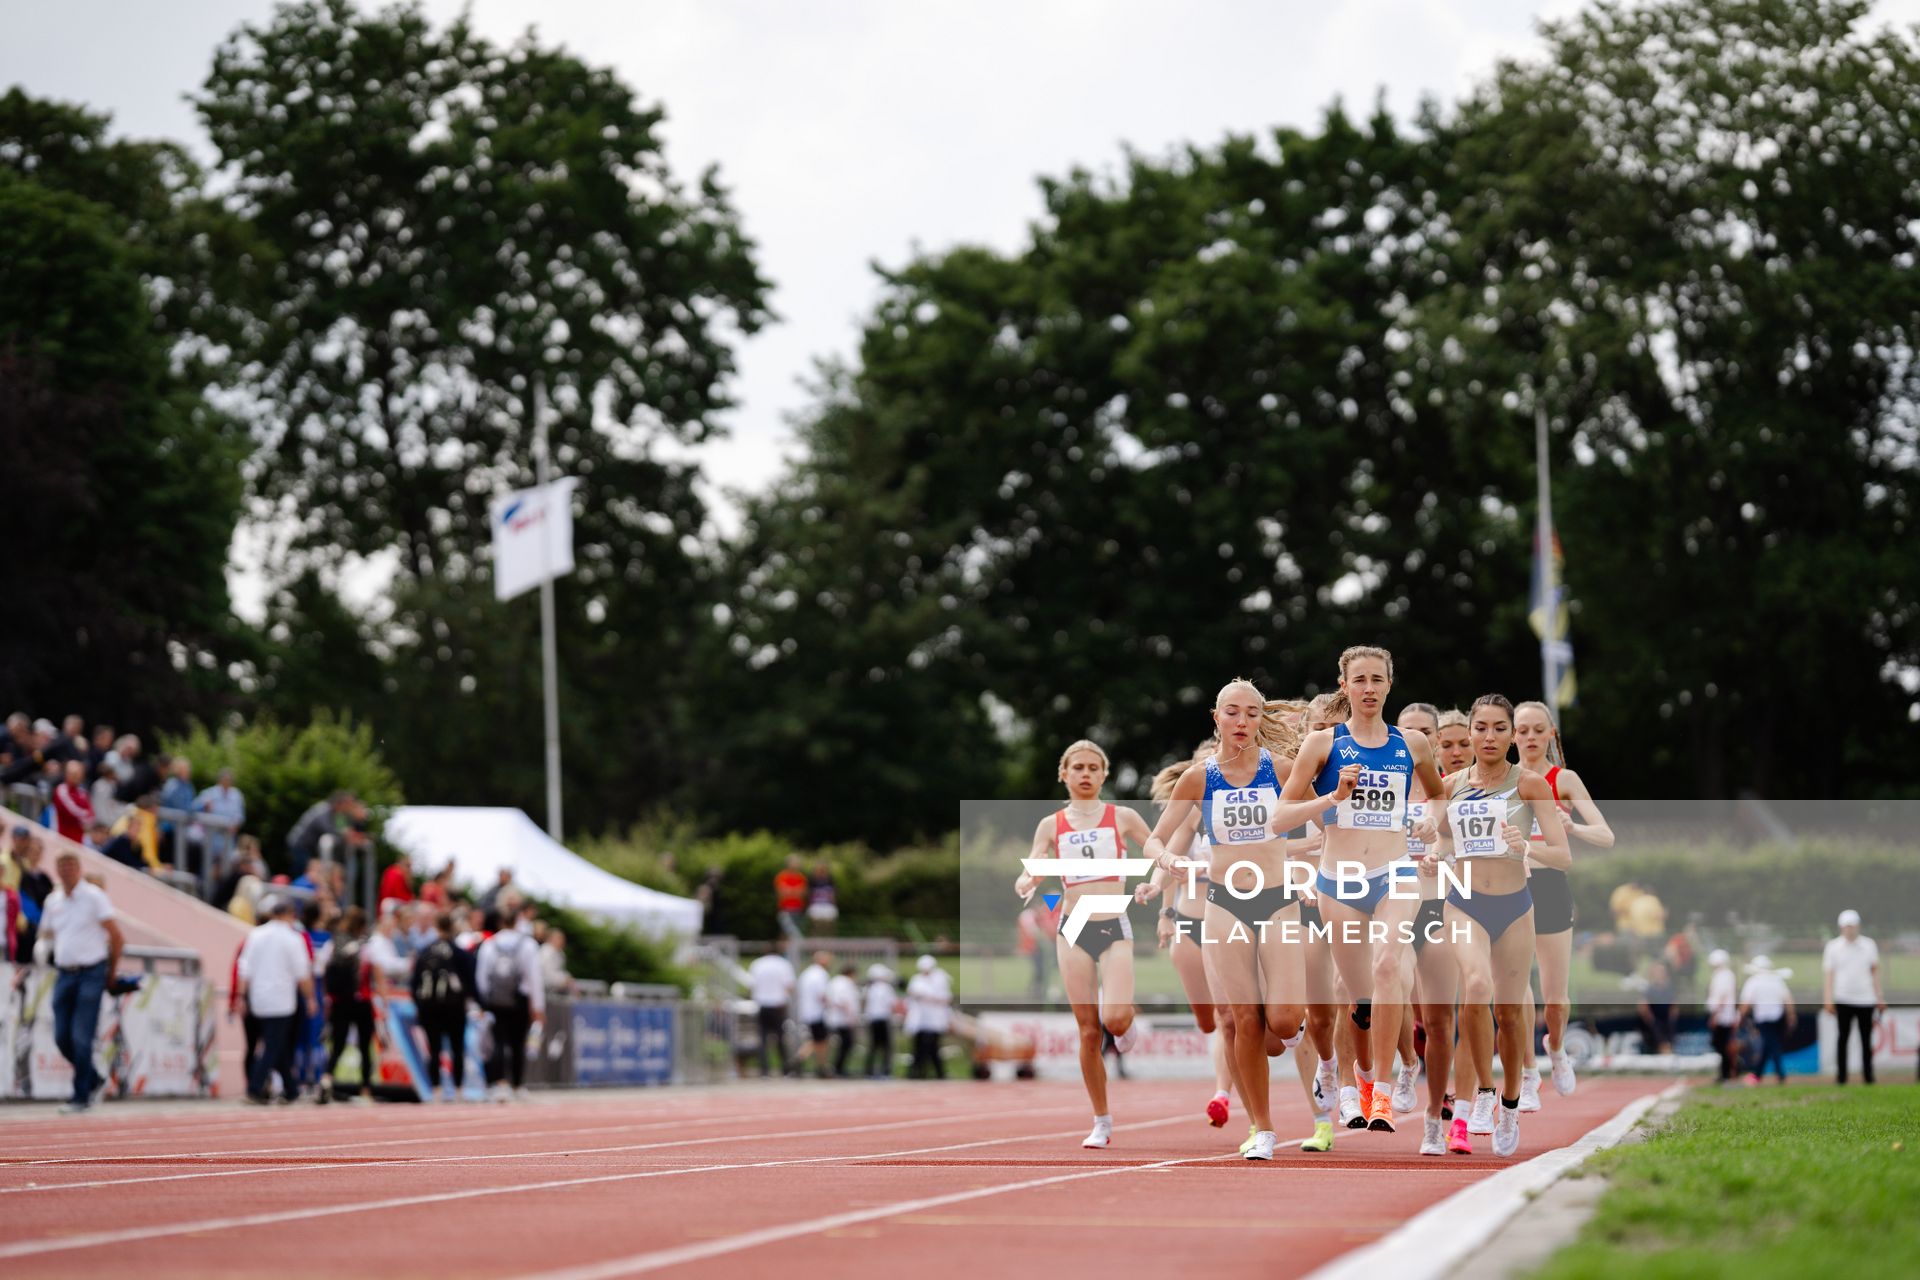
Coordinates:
[1380,1114]
[1366,1105]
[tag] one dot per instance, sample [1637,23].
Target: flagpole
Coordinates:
[549,668]
[1543,564]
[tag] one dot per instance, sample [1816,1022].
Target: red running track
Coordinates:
[819,1178]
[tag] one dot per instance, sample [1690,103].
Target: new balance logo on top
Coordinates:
[1400,755]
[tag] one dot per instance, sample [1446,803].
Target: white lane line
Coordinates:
[475,1157]
[32,1248]
[329,1123]
[430,1130]
[1434,1241]
[635,1264]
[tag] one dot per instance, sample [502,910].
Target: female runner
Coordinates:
[1440,972]
[1422,718]
[1367,766]
[1488,807]
[1253,966]
[1540,751]
[1097,967]
[1183,945]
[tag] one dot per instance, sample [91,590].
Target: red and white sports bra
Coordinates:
[1102,840]
[1553,784]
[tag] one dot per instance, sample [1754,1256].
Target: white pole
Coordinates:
[549,668]
[1543,566]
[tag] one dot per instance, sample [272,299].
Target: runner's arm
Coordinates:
[1592,827]
[1551,849]
[1299,803]
[1042,846]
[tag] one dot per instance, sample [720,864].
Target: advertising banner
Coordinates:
[156,1042]
[616,1043]
[1175,1052]
[1896,1042]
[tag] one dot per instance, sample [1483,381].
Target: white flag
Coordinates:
[532,537]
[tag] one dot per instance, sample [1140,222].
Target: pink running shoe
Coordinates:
[1458,1143]
[1218,1110]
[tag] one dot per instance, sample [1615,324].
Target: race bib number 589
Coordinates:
[1378,802]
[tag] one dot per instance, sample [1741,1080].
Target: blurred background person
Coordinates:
[80,937]
[882,1000]
[1723,1013]
[276,981]
[770,984]
[1769,1001]
[843,1014]
[1852,992]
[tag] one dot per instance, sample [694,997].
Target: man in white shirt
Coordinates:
[843,1011]
[507,973]
[80,936]
[770,983]
[276,981]
[810,1010]
[1853,993]
[1723,1013]
[1767,997]
[929,996]
[880,1000]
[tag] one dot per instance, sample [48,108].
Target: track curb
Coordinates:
[1435,1241]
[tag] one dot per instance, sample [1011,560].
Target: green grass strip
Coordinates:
[1803,1181]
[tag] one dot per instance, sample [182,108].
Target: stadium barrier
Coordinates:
[154,1042]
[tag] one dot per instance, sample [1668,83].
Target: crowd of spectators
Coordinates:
[305,979]
[822,1009]
[99,788]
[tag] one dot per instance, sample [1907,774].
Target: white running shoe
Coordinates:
[523,1094]
[1483,1106]
[1262,1148]
[1102,1135]
[1434,1142]
[1326,1084]
[501,1093]
[1563,1081]
[1530,1089]
[1506,1133]
[1350,1113]
[1124,1042]
[1403,1082]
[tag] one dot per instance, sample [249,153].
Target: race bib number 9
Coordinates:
[1241,817]
[1097,843]
[1476,828]
[1415,813]
[1378,802]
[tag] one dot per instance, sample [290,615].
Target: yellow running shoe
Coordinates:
[1322,1139]
[1252,1133]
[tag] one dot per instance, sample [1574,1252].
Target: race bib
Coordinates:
[1378,802]
[1476,828]
[1241,817]
[1416,813]
[1097,843]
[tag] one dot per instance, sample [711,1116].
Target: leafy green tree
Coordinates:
[1688,236]
[120,481]
[450,218]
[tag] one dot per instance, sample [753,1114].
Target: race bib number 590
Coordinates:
[1476,828]
[1378,802]
[1241,817]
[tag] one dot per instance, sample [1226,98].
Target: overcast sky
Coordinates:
[851,131]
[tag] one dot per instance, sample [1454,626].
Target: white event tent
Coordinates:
[480,841]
